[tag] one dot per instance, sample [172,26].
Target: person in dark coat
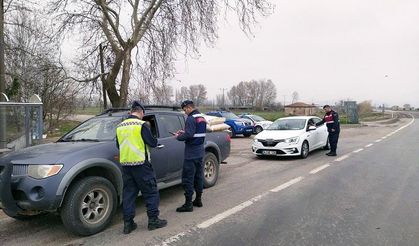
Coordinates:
[193,171]
[331,118]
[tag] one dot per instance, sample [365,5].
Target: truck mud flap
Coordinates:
[6,198]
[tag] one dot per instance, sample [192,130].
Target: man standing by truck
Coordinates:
[133,140]
[193,171]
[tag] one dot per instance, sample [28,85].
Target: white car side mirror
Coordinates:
[312,128]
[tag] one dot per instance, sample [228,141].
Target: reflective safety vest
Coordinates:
[132,149]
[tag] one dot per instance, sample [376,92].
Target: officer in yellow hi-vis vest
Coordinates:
[133,139]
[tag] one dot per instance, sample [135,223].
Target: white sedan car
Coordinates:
[291,136]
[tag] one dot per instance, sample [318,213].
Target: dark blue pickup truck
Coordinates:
[79,175]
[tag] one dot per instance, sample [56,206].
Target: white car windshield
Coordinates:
[257,118]
[288,124]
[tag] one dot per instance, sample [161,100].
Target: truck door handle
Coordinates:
[160,146]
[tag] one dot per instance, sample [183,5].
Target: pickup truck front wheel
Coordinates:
[89,206]
[211,169]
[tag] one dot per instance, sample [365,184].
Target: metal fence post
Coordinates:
[27,126]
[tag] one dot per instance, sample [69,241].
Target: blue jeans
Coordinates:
[193,176]
[140,178]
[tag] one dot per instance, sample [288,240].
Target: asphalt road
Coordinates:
[365,196]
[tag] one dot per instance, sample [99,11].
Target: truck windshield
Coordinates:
[288,124]
[230,116]
[95,129]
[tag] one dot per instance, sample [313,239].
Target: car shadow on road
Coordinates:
[314,154]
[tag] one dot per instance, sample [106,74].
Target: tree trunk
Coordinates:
[111,78]
[126,74]
[102,77]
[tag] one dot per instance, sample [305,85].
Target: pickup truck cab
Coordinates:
[79,176]
[237,124]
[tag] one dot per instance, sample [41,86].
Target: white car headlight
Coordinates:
[43,171]
[292,140]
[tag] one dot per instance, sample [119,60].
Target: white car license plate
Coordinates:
[269,152]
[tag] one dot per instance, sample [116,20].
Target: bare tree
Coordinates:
[182,94]
[33,65]
[198,94]
[267,94]
[163,94]
[145,35]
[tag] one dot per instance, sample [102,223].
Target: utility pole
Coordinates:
[2,80]
[223,89]
[284,102]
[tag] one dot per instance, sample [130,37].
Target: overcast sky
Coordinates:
[326,50]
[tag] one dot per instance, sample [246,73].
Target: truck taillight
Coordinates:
[228,138]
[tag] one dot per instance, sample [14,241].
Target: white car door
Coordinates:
[322,133]
[313,135]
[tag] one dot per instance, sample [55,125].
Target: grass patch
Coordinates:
[89,110]
[374,116]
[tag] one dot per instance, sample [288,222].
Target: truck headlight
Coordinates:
[43,171]
[292,140]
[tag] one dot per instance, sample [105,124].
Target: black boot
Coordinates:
[129,226]
[331,154]
[198,201]
[187,207]
[156,223]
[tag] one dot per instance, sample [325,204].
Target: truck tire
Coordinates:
[233,133]
[89,205]
[211,169]
[246,135]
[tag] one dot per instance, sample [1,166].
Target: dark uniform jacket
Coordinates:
[194,136]
[332,121]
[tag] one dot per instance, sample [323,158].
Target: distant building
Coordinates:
[300,108]
[395,108]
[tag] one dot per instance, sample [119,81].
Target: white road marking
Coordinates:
[342,157]
[231,211]
[174,238]
[384,137]
[287,184]
[358,150]
[369,145]
[378,140]
[316,170]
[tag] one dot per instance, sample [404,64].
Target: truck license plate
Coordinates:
[269,152]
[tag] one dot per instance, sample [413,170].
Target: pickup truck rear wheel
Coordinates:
[211,169]
[89,206]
